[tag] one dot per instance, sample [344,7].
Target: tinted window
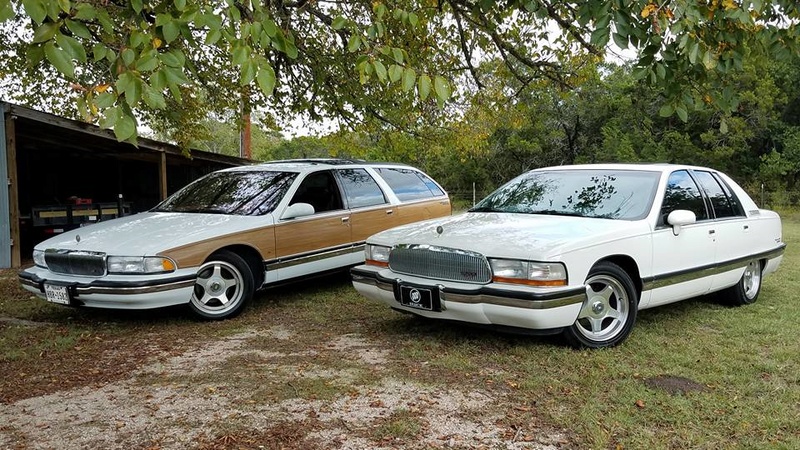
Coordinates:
[240,193]
[720,200]
[319,189]
[409,184]
[360,189]
[682,193]
[623,194]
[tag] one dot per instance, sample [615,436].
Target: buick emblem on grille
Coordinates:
[415,296]
[469,274]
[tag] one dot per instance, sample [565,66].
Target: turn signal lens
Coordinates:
[530,273]
[377,255]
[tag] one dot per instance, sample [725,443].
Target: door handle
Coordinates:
[345,220]
[711,232]
[389,212]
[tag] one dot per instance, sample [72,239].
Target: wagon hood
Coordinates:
[151,232]
[512,235]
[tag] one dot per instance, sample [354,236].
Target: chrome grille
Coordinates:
[440,263]
[76,263]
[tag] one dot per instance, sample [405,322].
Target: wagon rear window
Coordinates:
[240,193]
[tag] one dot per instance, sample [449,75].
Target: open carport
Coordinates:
[64,173]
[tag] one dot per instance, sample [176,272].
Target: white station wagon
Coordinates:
[579,250]
[211,244]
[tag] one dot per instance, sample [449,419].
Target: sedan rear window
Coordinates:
[610,194]
[240,193]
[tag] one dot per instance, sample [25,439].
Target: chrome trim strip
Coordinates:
[660,281]
[312,257]
[133,290]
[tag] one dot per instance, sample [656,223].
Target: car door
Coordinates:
[683,263]
[317,242]
[732,229]
[370,210]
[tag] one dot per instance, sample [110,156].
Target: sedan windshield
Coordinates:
[241,193]
[610,194]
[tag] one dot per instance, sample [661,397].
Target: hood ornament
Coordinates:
[77,238]
[439,230]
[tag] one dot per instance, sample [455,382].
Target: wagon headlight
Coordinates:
[377,255]
[139,264]
[528,272]
[38,258]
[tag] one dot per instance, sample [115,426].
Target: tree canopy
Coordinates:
[175,60]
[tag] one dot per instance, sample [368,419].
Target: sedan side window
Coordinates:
[360,188]
[320,190]
[682,193]
[720,199]
[409,184]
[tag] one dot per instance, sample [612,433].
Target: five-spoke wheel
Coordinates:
[609,312]
[747,289]
[224,284]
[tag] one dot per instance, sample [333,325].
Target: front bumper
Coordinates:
[497,305]
[115,291]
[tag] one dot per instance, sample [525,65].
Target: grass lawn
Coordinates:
[691,375]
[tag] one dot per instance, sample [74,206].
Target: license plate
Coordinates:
[416,298]
[56,294]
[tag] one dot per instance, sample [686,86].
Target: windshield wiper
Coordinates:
[483,209]
[556,212]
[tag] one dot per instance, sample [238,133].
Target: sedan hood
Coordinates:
[151,232]
[512,235]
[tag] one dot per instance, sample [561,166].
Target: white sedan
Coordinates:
[579,250]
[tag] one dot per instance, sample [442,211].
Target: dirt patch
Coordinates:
[192,399]
[674,385]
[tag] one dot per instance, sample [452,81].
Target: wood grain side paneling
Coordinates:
[192,255]
[367,223]
[308,234]
[414,212]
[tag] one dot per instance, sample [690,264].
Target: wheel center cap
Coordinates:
[215,286]
[597,307]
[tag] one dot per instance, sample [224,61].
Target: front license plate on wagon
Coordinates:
[56,294]
[416,298]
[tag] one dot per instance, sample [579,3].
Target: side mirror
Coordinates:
[297,210]
[679,218]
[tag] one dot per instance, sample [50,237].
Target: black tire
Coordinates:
[224,285]
[609,313]
[747,289]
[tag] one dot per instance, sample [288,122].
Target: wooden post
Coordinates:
[244,135]
[162,175]
[13,191]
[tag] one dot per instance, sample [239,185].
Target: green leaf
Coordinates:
[125,127]
[723,126]
[128,55]
[34,54]
[147,62]
[110,117]
[424,86]
[354,43]
[35,9]
[6,11]
[104,100]
[681,112]
[137,6]
[159,80]
[248,72]
[409,77]
[170,30]
[78,29]
[85,12]
[241,53]
[709,60]
[266,79]
[213,37]
[59,59]
[666,111]
[180,5]
[134,92]
[380,70]
[413,20]
[339,22]
[153,98]
[442,88]
[599,37]
[175,77]
[270,28]
[170,59]
[124,82]
[694,49]
[620,40]
[395,73]
[45,32]
[291,50]
[72,47]
[398,55]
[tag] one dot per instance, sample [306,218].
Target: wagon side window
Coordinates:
[320,190]
[682,193]
[360,188]
[409,184]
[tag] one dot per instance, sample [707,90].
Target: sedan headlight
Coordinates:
[528,272]
[139,264]
[38,258]
[377,255]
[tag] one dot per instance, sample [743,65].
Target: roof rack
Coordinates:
[330,161]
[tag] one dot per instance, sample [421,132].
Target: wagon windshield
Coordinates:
[240,193]
[609,194]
